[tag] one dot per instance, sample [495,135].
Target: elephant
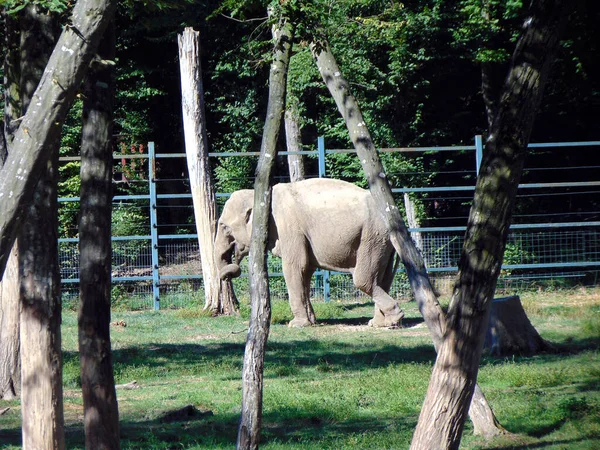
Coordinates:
[315,223]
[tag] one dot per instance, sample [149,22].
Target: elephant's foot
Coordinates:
[392,319]
[299,322]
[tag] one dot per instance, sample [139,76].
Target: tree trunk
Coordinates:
[455,372]
[293,141]
[10,359]
[42,123]
[219,297]
[101,414]
[382,194]
[413,222]
[510,332]
[41,352]
[260,317]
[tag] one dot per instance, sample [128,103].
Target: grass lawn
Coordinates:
[338,385]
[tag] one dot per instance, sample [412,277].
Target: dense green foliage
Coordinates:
[415,68]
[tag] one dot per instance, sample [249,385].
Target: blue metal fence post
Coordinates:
[478,152]
[153,225]
[324,273]
[321,148]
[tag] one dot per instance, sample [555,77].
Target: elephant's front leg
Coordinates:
[297,278]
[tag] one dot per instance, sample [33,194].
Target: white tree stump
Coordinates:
[509,330]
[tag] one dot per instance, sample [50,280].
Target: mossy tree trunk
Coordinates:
[260,316]
[454,375]
[219,295]
[483,418]
[101,414]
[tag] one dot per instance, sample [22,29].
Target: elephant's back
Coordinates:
[323,196]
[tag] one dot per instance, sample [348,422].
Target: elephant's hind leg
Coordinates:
[387,312]
[297,275]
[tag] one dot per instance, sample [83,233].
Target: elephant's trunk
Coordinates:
[224,250]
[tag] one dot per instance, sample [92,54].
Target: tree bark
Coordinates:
[10,359]
[413,222]
[219,296]
[43,121]
[41,353]
[260,317]
[455,372]
[380,190]
[510,332]
[293,141]
[39,272]
[101,414]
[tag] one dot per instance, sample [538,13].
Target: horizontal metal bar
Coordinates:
[181,277]
[555,185]
[177,236]
[140,278]
[113,238]
[435,189]
[406,149]
[564,144]
[160,196]
[517,226]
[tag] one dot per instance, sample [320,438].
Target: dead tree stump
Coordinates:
[509,330]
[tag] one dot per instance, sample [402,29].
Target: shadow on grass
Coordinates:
[338,356]
[558,352]
[294,427]
[565,443]
[358,321]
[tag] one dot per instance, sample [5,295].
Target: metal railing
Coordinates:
[166,266]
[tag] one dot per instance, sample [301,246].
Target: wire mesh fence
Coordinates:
[152,268]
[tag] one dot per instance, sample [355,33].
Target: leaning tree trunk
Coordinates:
[10,359]
[100,409]
[218,294]
[455,372]
[42,123]
[260,317]
[39,272]
[483,418]
[293,141]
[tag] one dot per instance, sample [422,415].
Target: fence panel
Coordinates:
[156,262]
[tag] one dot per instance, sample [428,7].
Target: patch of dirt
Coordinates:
[207,337]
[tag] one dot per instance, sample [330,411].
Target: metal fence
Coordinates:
[554,241]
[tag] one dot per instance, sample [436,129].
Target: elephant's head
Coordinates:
[234,229]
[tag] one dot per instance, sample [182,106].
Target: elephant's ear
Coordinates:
[248,216]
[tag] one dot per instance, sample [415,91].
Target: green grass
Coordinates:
[338,385]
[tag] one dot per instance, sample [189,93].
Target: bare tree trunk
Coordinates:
[258,333]
[454,375]
[293,141]
[380,190]
[41,353]
[10,358]
[219,297]
[101,413]
[42,123]
[413,222]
